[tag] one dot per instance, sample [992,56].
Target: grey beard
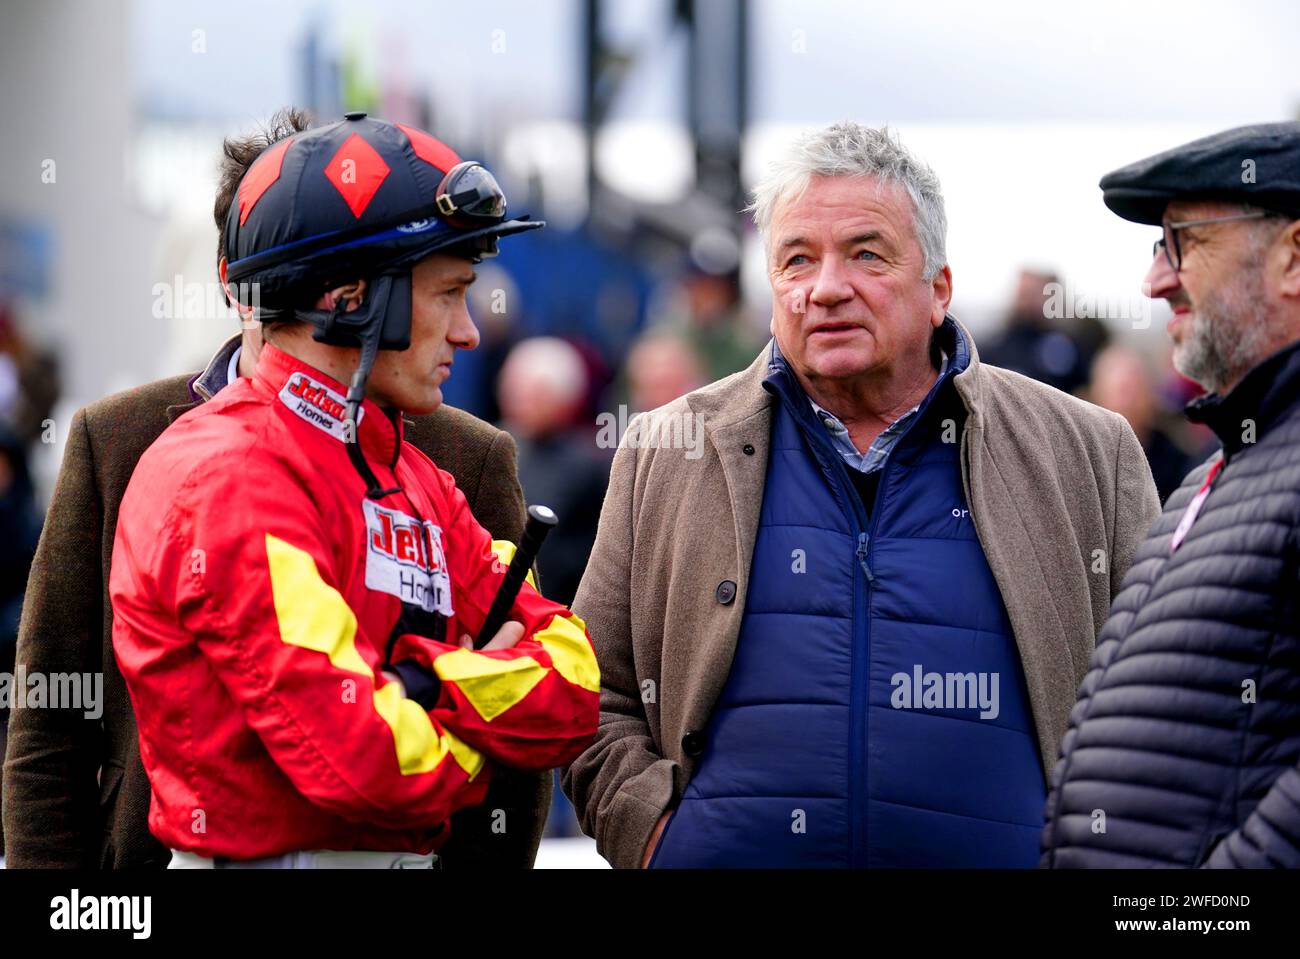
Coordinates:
[1230,333]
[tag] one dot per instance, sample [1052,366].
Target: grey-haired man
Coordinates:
[850,633]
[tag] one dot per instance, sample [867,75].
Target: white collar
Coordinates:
[232,371]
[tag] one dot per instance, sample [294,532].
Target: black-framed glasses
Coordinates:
[1169,242]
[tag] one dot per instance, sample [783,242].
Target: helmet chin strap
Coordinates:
[356,394]
[333,327]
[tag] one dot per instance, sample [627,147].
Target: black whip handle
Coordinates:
[541,520]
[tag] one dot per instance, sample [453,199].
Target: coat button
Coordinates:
[726,592]
[749,449]
[693,744]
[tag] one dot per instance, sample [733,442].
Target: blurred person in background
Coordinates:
[1122,382]
[661,366]
[20,527]
[711,319]
[75,793]
[498,331]
[1183,749]
[1053,351]
[541,390]
[29,380]
[872,512]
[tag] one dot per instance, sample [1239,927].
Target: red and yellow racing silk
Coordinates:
[256,595]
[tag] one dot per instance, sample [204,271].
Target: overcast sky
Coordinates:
[813,60]
[1020,106]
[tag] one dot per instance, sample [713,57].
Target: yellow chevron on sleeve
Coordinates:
[419,747]
[505,551]
[491,685]
[565,641]
[468,758]
[313,615]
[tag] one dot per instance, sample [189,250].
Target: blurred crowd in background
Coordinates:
[649,281]
[548,390]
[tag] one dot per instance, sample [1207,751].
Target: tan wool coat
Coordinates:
[1059,492]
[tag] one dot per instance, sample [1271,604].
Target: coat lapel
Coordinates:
[203,386]
[1015,535]
[737,417]
[180,409]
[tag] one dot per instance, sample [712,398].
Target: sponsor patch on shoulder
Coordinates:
[404,563]
[318,404]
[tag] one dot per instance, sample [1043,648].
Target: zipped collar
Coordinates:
[1262,396]
[318,399]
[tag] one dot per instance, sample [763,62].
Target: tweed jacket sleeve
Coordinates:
[51,793]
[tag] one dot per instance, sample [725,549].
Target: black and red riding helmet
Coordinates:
[361,198]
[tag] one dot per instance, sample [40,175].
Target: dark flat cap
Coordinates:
[1258,164]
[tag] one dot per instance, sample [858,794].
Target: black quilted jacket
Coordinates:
[1182,749]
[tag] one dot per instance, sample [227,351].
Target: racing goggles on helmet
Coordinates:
[469,196]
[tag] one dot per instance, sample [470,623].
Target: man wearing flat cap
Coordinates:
[1183,747]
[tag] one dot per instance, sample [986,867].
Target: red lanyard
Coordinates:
[1194,507]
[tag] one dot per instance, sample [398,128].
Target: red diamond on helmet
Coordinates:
[357,172]
[264,172]
[430,150]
